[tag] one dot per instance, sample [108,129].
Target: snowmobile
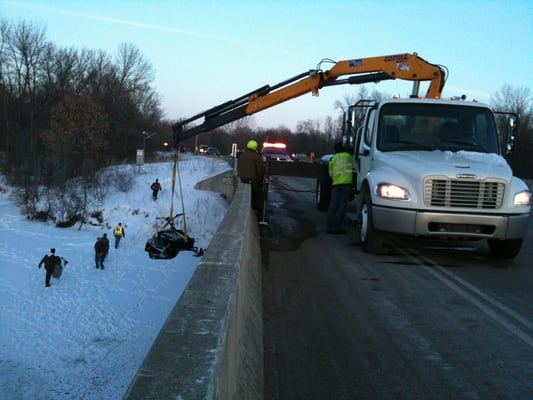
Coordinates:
[167,243]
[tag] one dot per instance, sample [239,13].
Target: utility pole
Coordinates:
[141,153]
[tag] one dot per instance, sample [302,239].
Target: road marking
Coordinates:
[488,298]
[504,314]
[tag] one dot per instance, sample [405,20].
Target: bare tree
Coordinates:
[5,140]
[362,93]
[130,99]
[520,101]
[26,55]
[91,73]
[309,127]
[24,49]
[58,71]
[241,131]
[332,128]
[135,75]
[134,72]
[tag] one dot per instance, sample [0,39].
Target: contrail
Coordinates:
[119,21]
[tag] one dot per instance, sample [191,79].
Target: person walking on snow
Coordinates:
[49,262]
[106,245]
[156,187]
[99,253]
[119,233]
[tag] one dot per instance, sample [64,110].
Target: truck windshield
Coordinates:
[428,127]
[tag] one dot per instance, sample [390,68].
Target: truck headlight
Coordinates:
[522,198]
[393,192]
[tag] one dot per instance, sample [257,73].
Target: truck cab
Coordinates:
[433,168]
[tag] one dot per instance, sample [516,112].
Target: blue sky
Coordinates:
[207,52]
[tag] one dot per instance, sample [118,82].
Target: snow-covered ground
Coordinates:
[86,335]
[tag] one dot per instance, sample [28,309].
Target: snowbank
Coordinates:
[86,335]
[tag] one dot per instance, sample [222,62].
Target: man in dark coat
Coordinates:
[251,169]
[106,245]
[99,253]
[156,187]
[49,261]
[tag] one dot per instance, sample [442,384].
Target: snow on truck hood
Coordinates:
[451,164]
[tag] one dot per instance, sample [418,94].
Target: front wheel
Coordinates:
[504,248]
[323,194]
[371,239]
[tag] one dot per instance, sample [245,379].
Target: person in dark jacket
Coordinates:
[156,187]
[99,253]
[49,261]
[251,169]
[106,245]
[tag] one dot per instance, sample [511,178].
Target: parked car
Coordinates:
[213,151]
[301,157]
[278,157]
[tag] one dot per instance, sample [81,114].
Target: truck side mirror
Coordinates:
[511,134]
[348,143]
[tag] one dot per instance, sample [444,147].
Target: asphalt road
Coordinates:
[427,320]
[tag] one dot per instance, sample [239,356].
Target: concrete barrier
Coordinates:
[211,346]
[224,183]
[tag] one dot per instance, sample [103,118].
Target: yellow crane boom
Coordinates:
[404,66]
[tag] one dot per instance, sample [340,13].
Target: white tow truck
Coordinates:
[426,166]
[433,168]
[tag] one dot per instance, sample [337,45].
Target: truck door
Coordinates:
[363,153]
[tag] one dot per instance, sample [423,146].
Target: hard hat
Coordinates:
[252,145]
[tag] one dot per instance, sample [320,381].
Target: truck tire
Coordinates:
[371,240]
[323,194]
[504,248]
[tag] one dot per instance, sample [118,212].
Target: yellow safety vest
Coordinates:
[118,231]
[341,169]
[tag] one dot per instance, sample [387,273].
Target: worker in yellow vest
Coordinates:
[341,169]
[119,233]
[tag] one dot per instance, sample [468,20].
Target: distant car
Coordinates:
[213,151]
[301,157]
[202,149]
[278,157]
[325,159]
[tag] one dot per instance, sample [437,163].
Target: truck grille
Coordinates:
[463,193]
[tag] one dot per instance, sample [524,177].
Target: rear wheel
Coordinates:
[371,239]
[323,194]
[504,248]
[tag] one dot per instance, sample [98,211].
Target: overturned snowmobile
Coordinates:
[167,243]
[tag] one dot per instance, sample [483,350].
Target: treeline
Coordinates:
[66,112]
[310,136]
